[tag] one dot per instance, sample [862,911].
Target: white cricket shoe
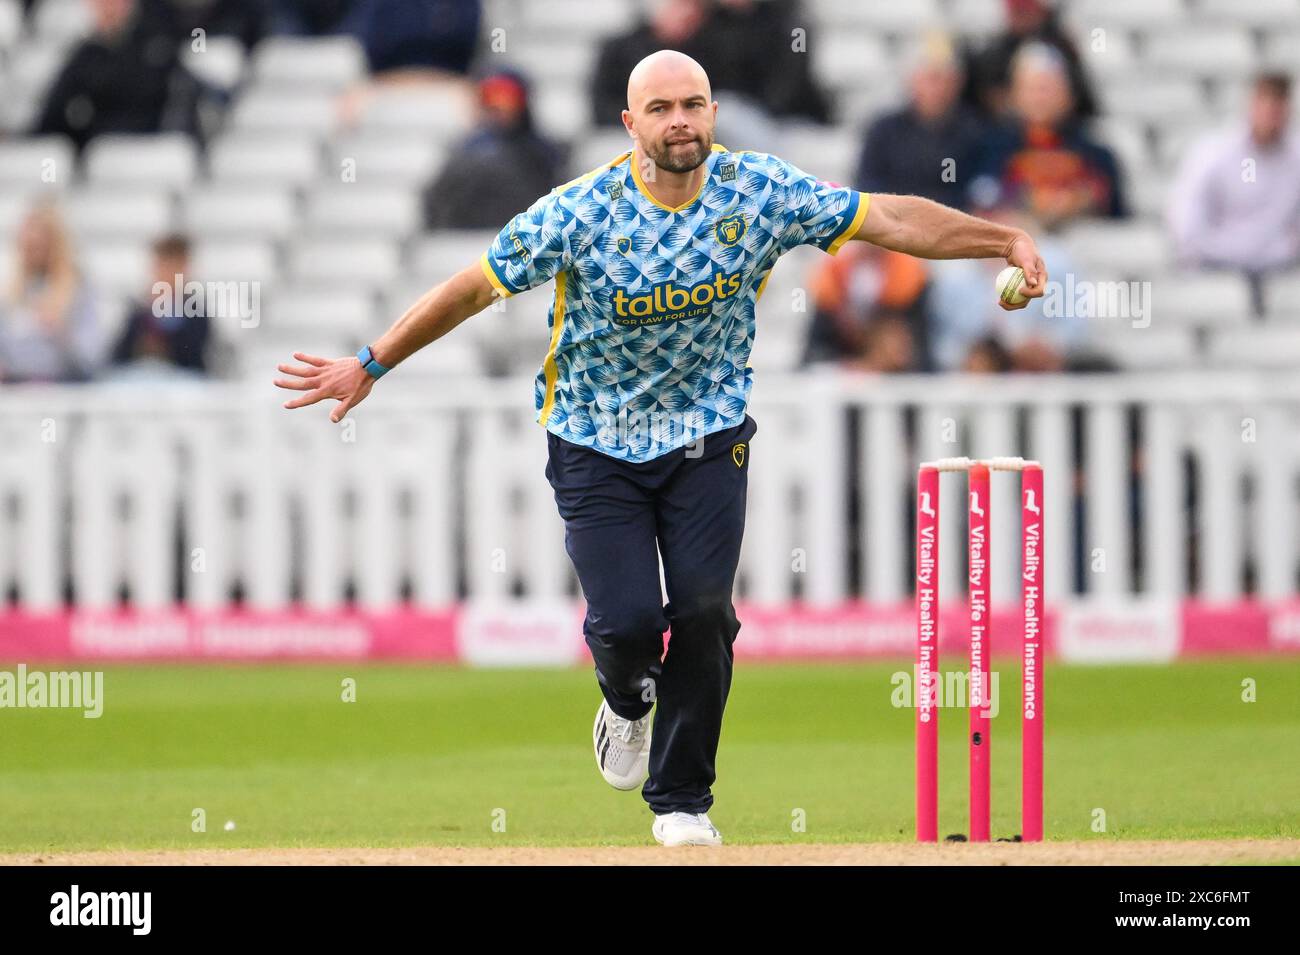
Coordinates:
[622,747]
[686,829]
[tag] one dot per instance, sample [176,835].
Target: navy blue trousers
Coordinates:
[689,506]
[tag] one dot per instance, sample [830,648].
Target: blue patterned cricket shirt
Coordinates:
[653,318]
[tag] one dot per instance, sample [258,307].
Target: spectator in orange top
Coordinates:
[869,310]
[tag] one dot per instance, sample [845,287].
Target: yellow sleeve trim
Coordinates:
[493,277]
[864,202]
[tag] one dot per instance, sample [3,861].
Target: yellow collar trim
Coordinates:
[645,191]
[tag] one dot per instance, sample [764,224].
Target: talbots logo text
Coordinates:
[669,300]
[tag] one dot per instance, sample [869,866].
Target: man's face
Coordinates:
[1268,115]
[166,266]
[110,15]
[934,90]
[674,125]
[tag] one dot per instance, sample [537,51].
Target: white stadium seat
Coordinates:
[328,63]
[220,63]
[597,147]
[445,110]
[1086,15]
[559,113]
[978,18]
[851,60]
[1202,51]
[247,211]
[346,310]
[311,113]
[63,20]
[1173,143]
[1200,298]
[344,261]
[1282,50]
[1267,347]
[436,255]
[394,158]
[11,23]
[343,209]
[1128,140]
[1124,249]
[1115,57]
[167,160]
[13,208]
[118,267]
[264,160]
[1144,349]
[560,58]
[113,211]
[1148,195]
[1157,97]
[904,18]
[593,21]
[1282,297]
[827,153]
[36,163]
[1256,13]
[33,65]
[234,260]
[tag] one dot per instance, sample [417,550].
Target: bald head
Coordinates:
[663,69]
[670,110]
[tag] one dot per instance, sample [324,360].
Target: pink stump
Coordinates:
[1031,722]
[927,655]
[980,643]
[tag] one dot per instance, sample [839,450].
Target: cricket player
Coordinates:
[658,258]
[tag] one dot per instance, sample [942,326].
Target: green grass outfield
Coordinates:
[426,755]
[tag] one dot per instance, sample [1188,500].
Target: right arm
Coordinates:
[433,315]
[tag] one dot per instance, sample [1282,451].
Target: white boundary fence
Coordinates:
[1154,485]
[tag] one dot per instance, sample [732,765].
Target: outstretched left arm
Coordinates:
[929,230]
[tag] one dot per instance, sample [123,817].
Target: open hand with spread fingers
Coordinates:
[340,378]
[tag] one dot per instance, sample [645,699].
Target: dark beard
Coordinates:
[684,160]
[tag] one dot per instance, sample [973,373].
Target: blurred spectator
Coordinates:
[869,310]
[410,43]
[752,45]
[502,167]
[989,69]
[246,20]
[969,331]
[416,35]
[308,17]
[676,24]
[987,357]
[928,147]
[1236,199]
[119,79]
[153,335]
[1043,162]
[743,45]
[48,325]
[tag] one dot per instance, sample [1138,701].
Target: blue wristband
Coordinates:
[372,367]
